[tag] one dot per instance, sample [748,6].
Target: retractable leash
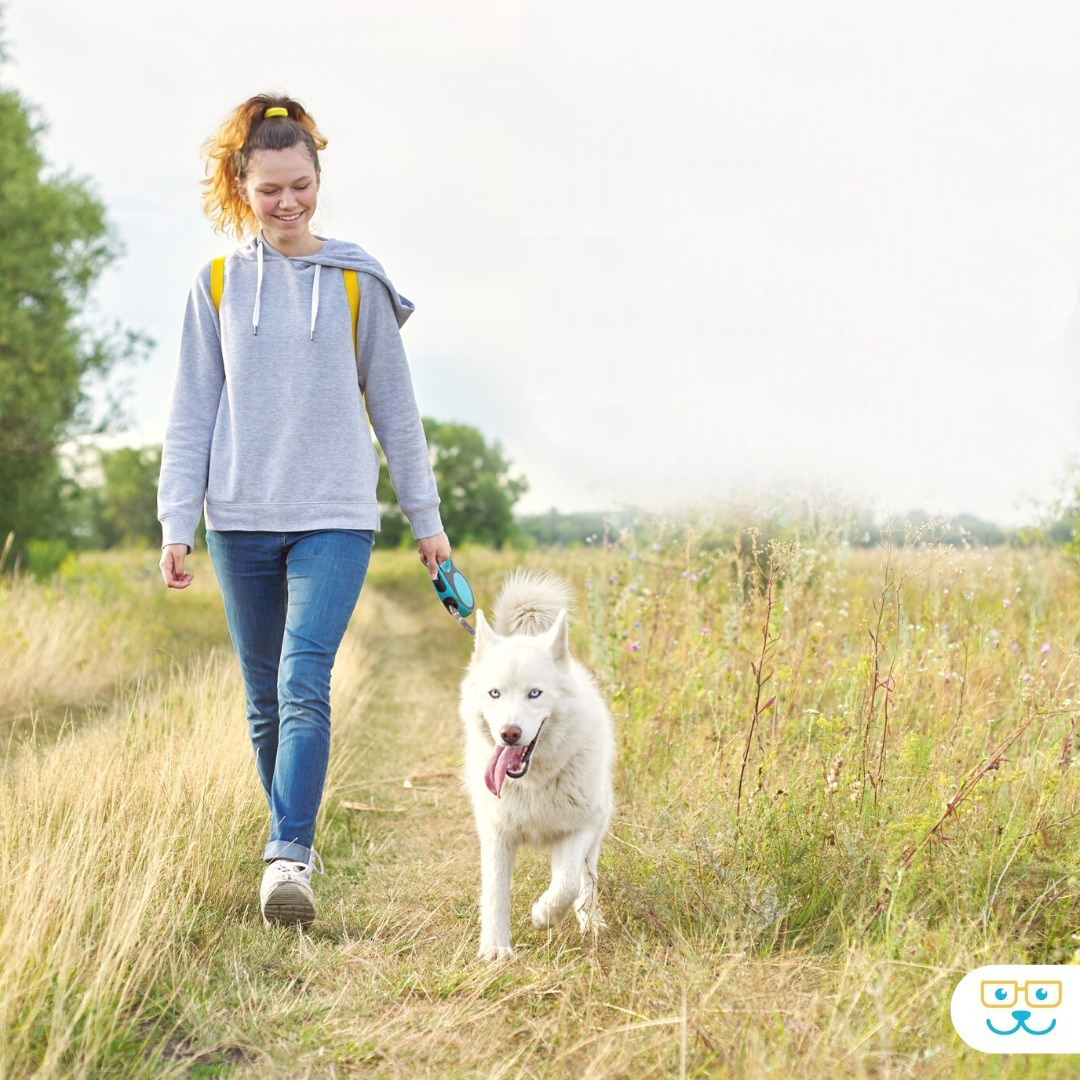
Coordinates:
[455,593]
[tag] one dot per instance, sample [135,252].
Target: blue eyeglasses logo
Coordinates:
[1036,994]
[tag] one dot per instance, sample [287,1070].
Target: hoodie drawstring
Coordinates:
[258,292]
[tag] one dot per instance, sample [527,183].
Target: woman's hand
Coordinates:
[172,566]
[434,550]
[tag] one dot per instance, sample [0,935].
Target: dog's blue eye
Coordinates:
[1000,994]
[1041,993]
[535,693]
[493,693]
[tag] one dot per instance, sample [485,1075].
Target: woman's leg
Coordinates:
[250,569]
[325,571]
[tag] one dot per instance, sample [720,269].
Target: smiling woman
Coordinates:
[290,346]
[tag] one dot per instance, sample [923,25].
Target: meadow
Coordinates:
[846,777]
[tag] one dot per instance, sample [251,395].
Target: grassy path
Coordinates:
[403,749]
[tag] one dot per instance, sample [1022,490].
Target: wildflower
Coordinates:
[997,642]
[704,630]
[828,663]
[1014,647]
[1045,650]
[635,645]
[656,547]
[588,584]
[612,580]
[831,784]
[1026,677]
[637,623]
[1006,603]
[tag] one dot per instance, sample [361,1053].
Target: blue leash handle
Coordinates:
[455,592]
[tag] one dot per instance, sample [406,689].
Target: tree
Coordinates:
[477,491]
[125,506]
[56,243]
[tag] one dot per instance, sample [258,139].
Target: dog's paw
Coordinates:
[494,953]
[545,914]
[590,918]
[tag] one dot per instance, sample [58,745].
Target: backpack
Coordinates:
[352,289]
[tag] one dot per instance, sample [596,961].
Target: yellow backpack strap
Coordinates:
[352,289]
[217,281]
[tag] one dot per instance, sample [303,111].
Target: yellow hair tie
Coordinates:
[276,111]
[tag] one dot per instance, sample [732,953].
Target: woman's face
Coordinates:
[281,188]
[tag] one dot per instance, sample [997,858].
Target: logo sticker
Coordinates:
[1019,1009]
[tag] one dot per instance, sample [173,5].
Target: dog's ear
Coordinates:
[485,636]
[558,637]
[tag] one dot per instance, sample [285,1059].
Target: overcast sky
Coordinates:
[657,251]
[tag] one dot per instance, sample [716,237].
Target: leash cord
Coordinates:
[452,608]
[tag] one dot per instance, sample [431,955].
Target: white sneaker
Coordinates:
[286,894]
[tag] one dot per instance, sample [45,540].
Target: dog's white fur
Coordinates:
[565,798]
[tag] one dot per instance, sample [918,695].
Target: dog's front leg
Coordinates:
[567,860]
[586,906]
[496,873]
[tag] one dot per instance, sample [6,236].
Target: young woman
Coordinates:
[268,429]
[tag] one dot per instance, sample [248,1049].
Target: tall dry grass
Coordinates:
[916,761]
[101,622]
[123,844]
[116,838]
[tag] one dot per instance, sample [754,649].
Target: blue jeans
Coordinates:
[288,598]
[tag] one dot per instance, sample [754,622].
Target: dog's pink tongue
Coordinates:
[504,759]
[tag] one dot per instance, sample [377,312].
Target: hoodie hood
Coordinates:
[338,253]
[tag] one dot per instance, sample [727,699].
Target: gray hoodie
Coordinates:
[267,422]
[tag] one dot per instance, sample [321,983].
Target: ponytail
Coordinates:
[228,154]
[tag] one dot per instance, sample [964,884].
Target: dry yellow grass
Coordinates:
[130,941]
[101,624]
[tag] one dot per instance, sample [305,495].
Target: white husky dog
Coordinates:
[538,757]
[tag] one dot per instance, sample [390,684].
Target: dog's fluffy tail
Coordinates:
[529,602]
